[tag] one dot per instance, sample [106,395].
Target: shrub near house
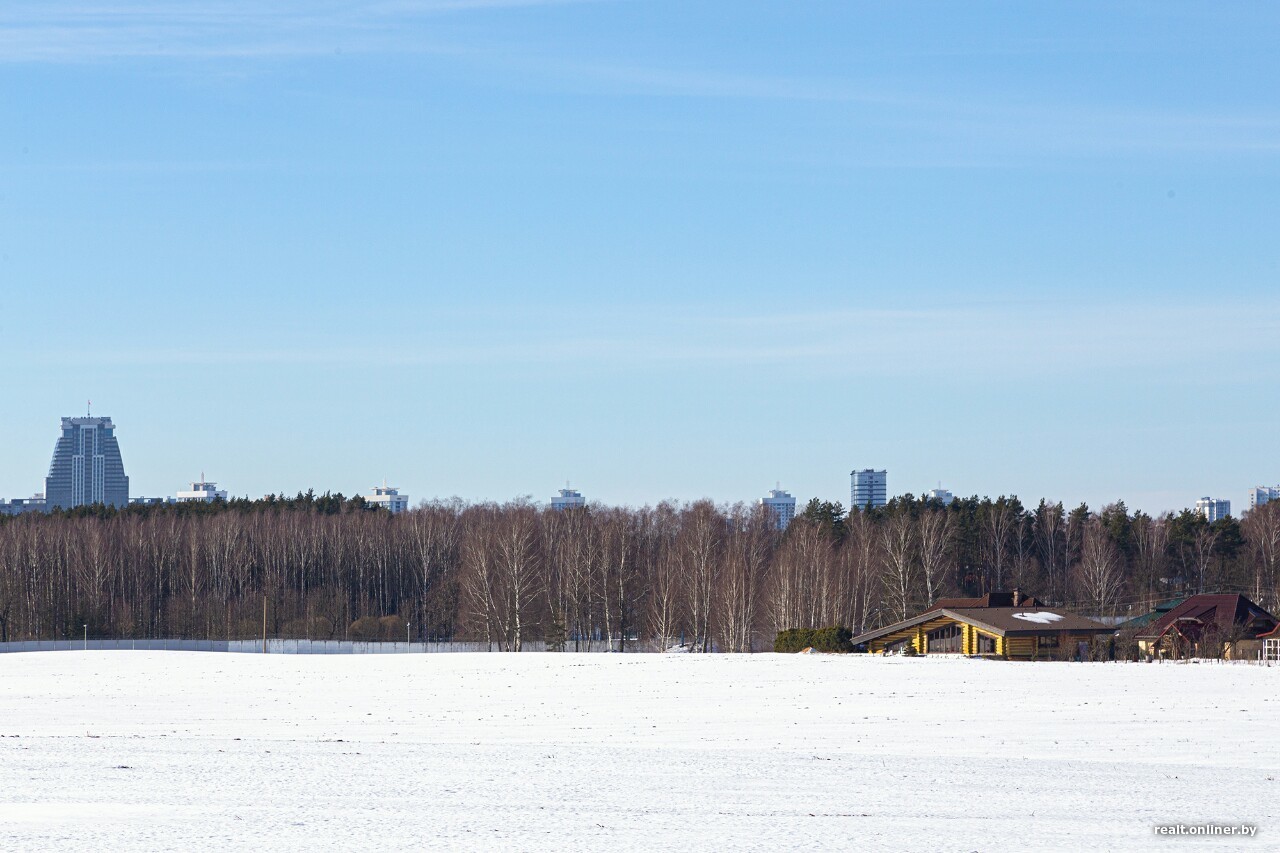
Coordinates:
[832,639]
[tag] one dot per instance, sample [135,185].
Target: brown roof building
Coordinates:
[1026,632]
[1198,625]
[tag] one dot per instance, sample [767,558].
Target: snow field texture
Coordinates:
[188,751]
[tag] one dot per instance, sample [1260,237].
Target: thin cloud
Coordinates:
[974,118]
[1014,339]
[944,125]
[948,124]
[67,33]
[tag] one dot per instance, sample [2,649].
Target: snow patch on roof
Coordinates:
[1040,617]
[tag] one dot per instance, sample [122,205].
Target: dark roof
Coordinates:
[1225,612]
[1024,621]
[991,599]
[1001,621]
[1147,618]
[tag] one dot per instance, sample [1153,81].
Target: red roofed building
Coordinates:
[1229,626]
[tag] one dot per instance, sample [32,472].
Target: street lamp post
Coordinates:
[86,637]
[407,647]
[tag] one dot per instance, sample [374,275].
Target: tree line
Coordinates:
[706,576]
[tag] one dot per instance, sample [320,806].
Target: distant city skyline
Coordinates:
[665,249]
[873,483]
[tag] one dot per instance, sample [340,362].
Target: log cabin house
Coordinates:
[1026,632]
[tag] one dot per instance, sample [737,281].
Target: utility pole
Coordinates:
[264,623]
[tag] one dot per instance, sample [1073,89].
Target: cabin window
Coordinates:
[897,647]
[986,645]
[948,639]
[1047,641]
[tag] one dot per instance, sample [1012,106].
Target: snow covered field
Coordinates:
[221,752]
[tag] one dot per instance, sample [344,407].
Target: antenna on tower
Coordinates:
[88,409]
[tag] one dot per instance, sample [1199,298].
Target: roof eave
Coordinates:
[977,623]
[918,619]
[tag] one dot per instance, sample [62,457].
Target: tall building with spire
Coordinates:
[202,491]
[86,466]
[569,499]
[388,497]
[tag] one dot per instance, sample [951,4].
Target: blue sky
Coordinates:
[659,249]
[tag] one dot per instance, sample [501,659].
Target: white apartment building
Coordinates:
[388,497]
[782,506]
[1213,508]
[943,495]
[202,491]
[1263,495]
[868,487]
[569,499]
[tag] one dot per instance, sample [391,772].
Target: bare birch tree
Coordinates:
[900,567]
[934,532]
[1101,574]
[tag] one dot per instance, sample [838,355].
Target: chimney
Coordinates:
[1017,597]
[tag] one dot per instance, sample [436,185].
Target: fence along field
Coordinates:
[271,646]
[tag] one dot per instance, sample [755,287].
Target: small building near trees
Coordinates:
[1226,626]
[1025,632]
